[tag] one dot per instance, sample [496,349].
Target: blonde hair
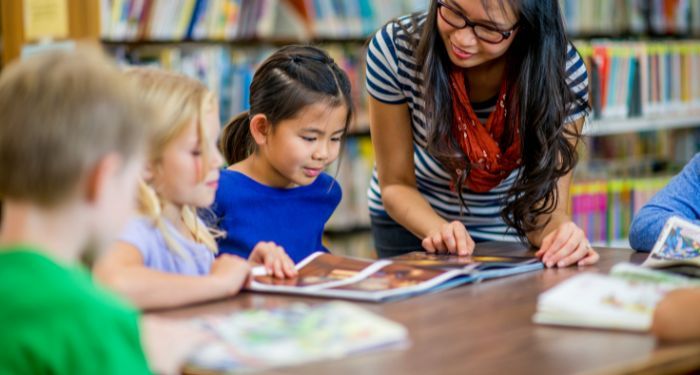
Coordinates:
[180,100]
[60,113]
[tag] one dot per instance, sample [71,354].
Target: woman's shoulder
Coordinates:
[403,31]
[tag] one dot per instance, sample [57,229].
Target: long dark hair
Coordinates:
[285,83]
[536,70]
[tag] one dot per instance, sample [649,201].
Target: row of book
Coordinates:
[228,70]
[604,209]
[176,20]
[658,17]
[643,79]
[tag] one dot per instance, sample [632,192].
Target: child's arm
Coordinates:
[676,317]
[681,197]
[123,270]
[274,258]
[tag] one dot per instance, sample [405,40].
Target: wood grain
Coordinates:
[486,328]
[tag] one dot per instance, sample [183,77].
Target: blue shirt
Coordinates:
[681,197]
[196,259]
[250,212]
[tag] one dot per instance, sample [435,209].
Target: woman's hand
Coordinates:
[565,246]
[451,238]
[274,258]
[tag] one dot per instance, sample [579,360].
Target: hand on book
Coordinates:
[565,246]
[230,272]
[451,238]
[274,258]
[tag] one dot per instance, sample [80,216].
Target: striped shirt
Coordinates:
[393,78]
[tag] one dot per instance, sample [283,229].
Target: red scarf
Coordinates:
[490,158]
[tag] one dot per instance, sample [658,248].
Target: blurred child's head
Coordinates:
[72,136]
[183,165]
[300,109]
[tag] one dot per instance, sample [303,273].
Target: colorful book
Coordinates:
[677,249]
[259,339]
[333,276]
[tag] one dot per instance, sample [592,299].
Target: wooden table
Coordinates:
[486,328]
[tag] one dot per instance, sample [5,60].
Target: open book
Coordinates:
[289,335]
[677,249]
[623,300]
[334,276]
[626,298]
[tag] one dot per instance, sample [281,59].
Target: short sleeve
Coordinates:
[382,67]
[140,234]
[577,79]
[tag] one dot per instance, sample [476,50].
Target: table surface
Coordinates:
[487,328]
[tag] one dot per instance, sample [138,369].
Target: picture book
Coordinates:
[677,248]
[623,300]
[290,335]
[333,276]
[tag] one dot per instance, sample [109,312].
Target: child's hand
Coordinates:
[231,271]
[274,258]
[169,343]
[565,246]
[451,238]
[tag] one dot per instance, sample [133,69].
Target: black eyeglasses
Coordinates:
[459,21]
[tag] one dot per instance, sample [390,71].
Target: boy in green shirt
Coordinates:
[71,149]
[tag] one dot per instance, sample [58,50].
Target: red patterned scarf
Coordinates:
[484,145]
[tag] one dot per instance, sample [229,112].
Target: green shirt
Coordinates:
[53,320]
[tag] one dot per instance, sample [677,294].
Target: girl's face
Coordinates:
[463,47]
[297,150]
[183,176]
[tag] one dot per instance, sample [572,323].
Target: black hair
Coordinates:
[542,98]
[291,79]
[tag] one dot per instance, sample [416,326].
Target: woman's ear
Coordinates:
[147,173]
[260,128]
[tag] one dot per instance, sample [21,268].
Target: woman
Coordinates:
[476,109]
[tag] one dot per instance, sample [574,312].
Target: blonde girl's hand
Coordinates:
[451,238]
[230,272]
[274,258]
[565,246]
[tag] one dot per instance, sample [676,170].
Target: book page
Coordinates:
[449,261]
[322,269]
[679,242]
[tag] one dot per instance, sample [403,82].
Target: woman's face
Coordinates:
[464,48]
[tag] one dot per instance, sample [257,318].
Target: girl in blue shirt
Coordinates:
[275,188]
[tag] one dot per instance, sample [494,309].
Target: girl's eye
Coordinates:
[308,139]
[336,139]
[196,152]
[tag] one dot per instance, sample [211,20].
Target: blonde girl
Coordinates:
[166,257]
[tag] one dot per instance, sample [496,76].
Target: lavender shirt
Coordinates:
[143,235]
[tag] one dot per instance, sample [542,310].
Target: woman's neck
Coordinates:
[484,81]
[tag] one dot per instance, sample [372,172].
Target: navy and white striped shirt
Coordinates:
[393,78]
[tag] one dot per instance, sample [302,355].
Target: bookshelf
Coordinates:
[221,41]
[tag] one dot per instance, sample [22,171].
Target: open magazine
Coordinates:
[677,249]
[626,298]
[290,335]
[326,275]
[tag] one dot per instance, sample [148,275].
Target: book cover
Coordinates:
[677,248]
[298,333]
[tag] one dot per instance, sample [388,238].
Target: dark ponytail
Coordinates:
[291,79]
[236,143]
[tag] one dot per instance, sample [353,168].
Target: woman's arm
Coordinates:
[392,138]
[122,269]
[561,242]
